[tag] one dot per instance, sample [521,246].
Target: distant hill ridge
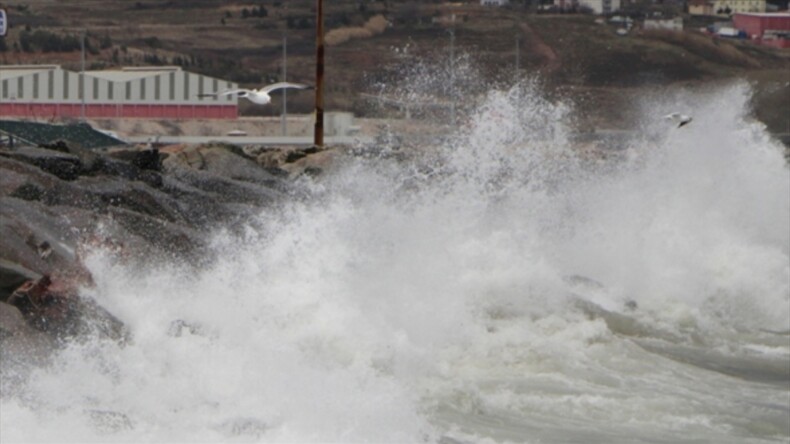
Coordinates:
[243,42]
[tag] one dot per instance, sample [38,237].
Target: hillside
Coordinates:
[243,41]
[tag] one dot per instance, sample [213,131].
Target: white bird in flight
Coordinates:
[680,119]
[258,96]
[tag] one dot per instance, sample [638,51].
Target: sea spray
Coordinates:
[496,285]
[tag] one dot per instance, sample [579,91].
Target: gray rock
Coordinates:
[61,201]
[63,165]
[144,159]
[226,163]
[88,159]
[11,322]
[24,229]
[222,188]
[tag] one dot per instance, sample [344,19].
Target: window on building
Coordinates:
[51,84]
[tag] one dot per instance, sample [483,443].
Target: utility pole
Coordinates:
[518,56]
[517,75]
[82,77]
[318,134]
[3,33]
[285,95]
[452,73]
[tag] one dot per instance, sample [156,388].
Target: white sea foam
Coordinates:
[479,292]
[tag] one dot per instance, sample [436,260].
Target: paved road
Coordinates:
[249,140]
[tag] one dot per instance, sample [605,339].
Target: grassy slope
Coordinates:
[570,52]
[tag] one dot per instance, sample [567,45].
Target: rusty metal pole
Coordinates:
[318,136]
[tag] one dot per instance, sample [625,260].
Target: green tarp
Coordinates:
[35,133]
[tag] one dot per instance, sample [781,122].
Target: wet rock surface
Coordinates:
[58,202]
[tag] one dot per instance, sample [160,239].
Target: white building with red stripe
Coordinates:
[166,92]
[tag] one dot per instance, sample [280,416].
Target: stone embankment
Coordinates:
[58,202]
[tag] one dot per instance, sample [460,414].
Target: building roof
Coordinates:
[36,133]
[700,2]
[124,74]
[767,14]
[132,73]
[14,71]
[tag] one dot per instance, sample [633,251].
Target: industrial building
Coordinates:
[51,92]
[772,29]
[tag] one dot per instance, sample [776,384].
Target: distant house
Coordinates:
[596,6]
[566,5]
[729,7]
[675,24]
[622,21]
[494,2]
[701,7]
[601,6]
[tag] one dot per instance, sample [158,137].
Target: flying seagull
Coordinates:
[257,96]
[680,119]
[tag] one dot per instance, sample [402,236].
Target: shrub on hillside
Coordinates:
[710,48]
[46,41]
[376,25]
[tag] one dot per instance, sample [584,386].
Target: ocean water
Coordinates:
[498,286]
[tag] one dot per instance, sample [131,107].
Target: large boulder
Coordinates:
[145,159]
[228,163]
[294,161]
[60,201]
[35,240]
[65,166]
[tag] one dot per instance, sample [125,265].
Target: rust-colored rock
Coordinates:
[46,305]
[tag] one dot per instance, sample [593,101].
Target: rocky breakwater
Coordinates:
[59,202]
